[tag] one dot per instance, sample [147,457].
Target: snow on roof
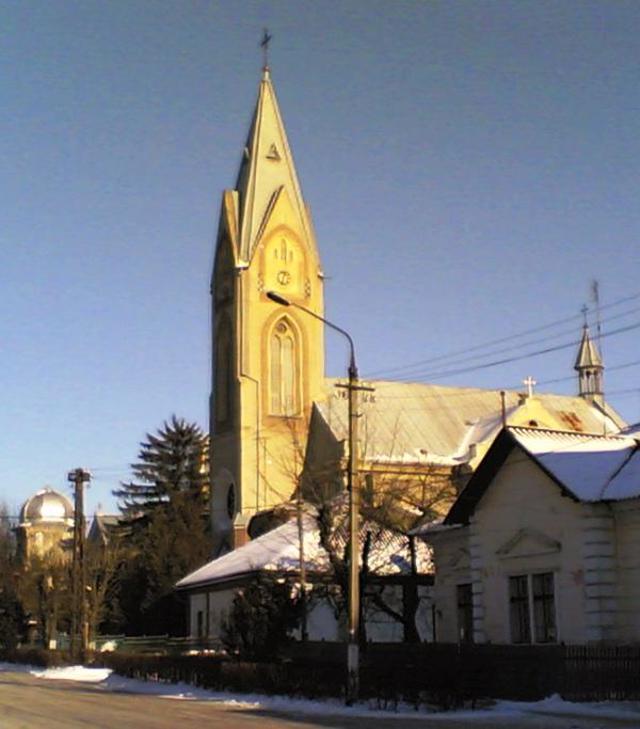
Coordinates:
[626,483]
[423,423]
[276,550]
[433,527]
[279,551]
[592,467]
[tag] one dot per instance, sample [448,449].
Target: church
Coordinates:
[278,424]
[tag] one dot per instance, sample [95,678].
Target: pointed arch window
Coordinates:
[284,376]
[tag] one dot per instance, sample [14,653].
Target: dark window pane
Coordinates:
[464,598]
[544,618]
[519,609]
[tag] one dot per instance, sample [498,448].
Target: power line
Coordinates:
[507,360]
[473,391]
[540,340]
[615,368]
[500,340]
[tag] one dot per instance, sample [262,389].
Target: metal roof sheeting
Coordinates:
[423,423]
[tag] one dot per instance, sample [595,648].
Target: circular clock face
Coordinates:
[284,278]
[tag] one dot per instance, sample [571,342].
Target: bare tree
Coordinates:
[396,494]
[103,560]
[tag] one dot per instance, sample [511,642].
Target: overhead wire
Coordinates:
[437,375]
[511,347]
[473,391]
[509,338]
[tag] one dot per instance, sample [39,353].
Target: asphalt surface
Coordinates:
[30,703]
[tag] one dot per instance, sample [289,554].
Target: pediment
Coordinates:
[528,543]
[280,213]
[460,560]
[532,414]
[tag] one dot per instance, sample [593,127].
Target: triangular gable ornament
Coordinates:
[273,153]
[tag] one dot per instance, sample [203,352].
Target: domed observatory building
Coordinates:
[46,525]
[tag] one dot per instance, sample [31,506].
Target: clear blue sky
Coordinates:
[470,166]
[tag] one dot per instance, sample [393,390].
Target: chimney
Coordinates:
[240,534]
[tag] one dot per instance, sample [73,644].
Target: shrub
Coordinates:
[261,620]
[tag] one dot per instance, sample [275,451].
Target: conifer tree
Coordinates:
[11,613]
[164,524]
[173,468]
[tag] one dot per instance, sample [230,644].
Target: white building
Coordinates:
[542,545]
[211,589]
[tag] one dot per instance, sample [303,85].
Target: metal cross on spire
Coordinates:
[584,311]
[529,382]
[264,44]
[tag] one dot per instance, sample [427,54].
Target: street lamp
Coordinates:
[353,658]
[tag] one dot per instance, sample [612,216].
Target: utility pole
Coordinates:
[353,647]
[304,634]
[353,387]
[79,624]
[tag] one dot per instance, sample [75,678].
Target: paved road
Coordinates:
[30,703]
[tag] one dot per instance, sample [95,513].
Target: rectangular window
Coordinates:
[519,609]
[200,623]
[464,598]
[532,602]
[544,614]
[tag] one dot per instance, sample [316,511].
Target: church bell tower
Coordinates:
[590,368]
[268,360]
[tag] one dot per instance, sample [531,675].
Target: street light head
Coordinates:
[278,299]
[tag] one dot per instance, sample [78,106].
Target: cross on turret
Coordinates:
[529,383]
[264,44]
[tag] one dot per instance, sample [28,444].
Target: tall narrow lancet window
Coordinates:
[284,371]
[223,373]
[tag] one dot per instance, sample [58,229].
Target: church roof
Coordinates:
[102,526]
[438,424]
[588,355]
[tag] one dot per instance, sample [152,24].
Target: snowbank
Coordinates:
[104,679]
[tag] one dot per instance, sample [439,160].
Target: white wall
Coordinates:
[627,531]
[452,568]
[321,619]
[524,525]
[219,602]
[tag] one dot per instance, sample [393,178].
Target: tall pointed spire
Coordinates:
[589,367]
[268,364]
[266,169]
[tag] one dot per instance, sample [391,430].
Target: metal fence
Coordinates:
[444,675]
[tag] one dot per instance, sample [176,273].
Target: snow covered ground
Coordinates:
[104,679]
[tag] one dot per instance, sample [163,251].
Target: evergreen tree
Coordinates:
[11,613]
[261,619]
[165,526]
[173,468]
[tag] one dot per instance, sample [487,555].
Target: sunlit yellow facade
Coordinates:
[268,359]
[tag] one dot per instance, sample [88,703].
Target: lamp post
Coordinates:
[353,657]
